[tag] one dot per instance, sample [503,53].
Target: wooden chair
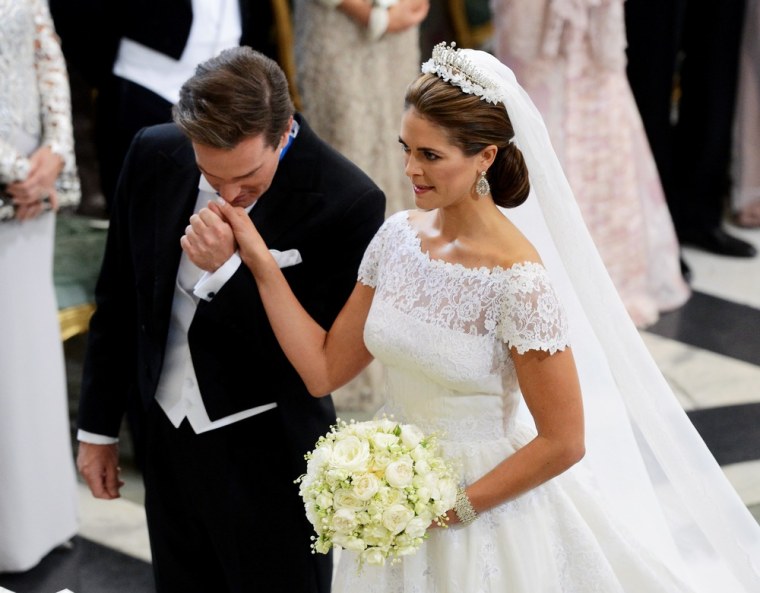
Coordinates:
[283,22]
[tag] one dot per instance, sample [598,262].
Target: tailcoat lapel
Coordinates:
[290,199]
[173,208]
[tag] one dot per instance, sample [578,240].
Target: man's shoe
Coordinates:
[720,242]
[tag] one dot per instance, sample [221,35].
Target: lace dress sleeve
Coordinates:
[55,103]
[531,316]
[370,266]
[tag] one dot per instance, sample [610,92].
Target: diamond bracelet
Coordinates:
[463,508]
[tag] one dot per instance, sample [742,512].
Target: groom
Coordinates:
[227,418]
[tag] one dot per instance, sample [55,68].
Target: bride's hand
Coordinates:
[253,251]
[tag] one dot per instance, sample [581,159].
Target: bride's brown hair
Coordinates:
[471,124]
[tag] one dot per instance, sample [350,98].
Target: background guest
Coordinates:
[338,43]
[570,58]
[137,53]
[692,46]
[38,506]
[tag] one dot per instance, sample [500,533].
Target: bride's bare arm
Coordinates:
[324,360]
[550,386]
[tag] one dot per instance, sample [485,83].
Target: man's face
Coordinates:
[240,175]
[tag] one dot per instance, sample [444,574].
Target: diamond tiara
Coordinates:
[449,64]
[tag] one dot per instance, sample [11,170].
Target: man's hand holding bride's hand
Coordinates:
[208,240]
[253,251]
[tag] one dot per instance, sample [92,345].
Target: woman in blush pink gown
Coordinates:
[570,57]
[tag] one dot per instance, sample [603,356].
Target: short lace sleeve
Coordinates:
[370,266]
[531,316]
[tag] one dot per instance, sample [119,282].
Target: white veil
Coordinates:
[652,467]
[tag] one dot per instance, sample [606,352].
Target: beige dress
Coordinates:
[569,55]
[38,503]
[352,91]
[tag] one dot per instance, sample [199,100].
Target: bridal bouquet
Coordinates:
[375,487]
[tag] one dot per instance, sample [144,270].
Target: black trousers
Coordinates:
[692,45]
[224,514]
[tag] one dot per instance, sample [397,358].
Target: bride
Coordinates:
[500,329]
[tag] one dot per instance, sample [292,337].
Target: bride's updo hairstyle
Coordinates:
[471,124]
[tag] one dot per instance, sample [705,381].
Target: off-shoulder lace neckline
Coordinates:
[495,270]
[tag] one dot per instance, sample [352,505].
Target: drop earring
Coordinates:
[482,187]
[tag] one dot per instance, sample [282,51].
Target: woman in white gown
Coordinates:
[38,505]
[472,309]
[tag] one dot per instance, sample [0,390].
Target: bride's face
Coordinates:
[440,172]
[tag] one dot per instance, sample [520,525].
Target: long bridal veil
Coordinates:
[651,466]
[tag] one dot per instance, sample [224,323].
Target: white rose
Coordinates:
[417,527]
[366,486]
[324,500]
[406,545]
[423,508]
[361,429]
[411,435]
[349,542]
[320,457]
[423,494]
[388,496]
[419,453]
[363,517]
[376,535]
[375,509]
[346,499]
[383,440]
[400,473]
[373,556]
[380,460]
[385,425]
[333,477]
[350,454]
[396,518]
[422,467]
[429,481]
[344,521]
[425,515]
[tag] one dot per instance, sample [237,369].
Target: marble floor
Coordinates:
[709,351]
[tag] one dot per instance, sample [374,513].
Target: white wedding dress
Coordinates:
[443,332]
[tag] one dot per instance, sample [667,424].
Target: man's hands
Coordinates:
[208,240]
[253,251]
[99,466]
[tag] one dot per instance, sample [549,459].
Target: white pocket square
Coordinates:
[291,257]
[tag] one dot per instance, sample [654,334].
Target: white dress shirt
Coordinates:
[216,26]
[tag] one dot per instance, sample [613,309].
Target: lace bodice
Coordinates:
[35,104]
[443,332]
